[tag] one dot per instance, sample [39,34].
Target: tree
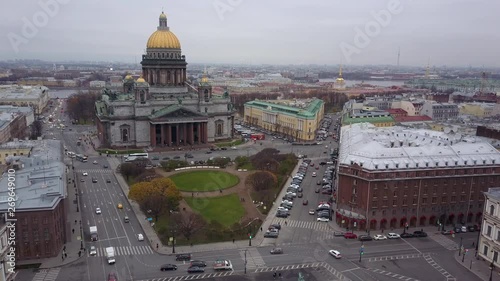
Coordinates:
[188,226]
[156,197]
[36,129]
[262,180]
[131,170]
[81,106]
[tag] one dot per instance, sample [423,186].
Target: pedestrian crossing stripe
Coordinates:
[392,274]
[105,171]
[47,274]
[126,251]
[320,226]
[254,258]
[444,241]
[193,276]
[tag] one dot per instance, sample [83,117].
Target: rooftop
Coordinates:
[12,92]
[40,180]
[15,109]
[303,108]
[493,192]
[376,148]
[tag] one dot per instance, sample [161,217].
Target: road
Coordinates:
[304,240]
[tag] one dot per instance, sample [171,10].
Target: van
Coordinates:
[183,257]
[126,219]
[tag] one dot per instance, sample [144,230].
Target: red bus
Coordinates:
[258,136]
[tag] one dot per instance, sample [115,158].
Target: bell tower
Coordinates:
[141,91]
[204,89]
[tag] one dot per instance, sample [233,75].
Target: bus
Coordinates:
[82,158]
[134,156]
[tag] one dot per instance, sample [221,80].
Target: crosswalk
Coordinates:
[47,274]
[253,258]
[194,276]
[441,270]
[400,257]
[320,226]
[391,274]
[102,171]
[126,251]
[444,241]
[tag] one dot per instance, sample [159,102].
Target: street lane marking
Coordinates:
[192,276]
[47,274]
[400,257]
[126,251]
[436,266]
[391,274]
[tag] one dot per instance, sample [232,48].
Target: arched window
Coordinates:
[125,133]
[143,96]
[492,210]
[207,97]
[220,130]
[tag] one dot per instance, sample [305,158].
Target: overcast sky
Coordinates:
[448,32]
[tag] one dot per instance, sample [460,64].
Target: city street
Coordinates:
[305,241]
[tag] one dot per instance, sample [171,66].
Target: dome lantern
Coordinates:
[163,38]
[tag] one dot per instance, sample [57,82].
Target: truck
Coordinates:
[93,233]
[223,265]
[110,255]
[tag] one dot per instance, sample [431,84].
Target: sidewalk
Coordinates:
[478,266]
[153,237]
[74,239]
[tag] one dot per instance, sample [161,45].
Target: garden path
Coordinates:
[241,189]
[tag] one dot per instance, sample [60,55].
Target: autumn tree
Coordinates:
[156,197]
[262,180]
[81,106]
[189,225]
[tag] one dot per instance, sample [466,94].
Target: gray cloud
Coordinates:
[450,32]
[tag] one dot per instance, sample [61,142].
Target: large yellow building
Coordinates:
[15,148]
[298,120]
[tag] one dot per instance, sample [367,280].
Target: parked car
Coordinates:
[305,202]
[379,237]
[317,190]
[276,226]
[365,238]
[167,267]
[350,235]
[183,257]
[322,219]
[276,251]
[311,212]
[335,254]
[112,277]
[419,233]
[406,235]
[300,195]
[472,228]
[393,235]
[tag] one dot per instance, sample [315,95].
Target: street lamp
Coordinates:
[461,245]
[492,266]
[361,251]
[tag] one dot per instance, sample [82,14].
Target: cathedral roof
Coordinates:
[163,38]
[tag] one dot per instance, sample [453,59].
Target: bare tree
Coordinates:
[188,226]
[262,180]
[36,129]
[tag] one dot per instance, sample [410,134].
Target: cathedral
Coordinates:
[162,108]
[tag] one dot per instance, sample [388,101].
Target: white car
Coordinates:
[287,202]
[85,173]
[292,193]
[314,174]
[234,148]
[335,254]
[283,209]
[379,237]
[312,212]
[393,236]
[95,162]
[98,211]
[140,237]
[93,251]
[323,219]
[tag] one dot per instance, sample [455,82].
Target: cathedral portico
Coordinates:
[163,108]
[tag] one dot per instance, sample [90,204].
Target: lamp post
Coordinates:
[245,261]
[461,245]
[361,251]
[492,266]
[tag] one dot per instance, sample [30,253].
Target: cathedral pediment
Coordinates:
[175,112]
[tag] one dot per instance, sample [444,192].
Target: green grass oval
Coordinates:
[203,181]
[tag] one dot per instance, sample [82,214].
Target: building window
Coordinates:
[394,202]
[45,220]
[434,200]
[485,250]
[495,256]
[488,230]
[46,234]
[492,210]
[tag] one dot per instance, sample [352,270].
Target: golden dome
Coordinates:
[163,39]
[141,80]
[163,16]
[128,77]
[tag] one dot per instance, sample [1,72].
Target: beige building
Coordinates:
[15,148]
[296,119]
[36,97]
[480,109]
[489,241]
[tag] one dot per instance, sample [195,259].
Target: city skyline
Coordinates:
[243,32]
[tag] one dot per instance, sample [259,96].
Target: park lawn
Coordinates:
[201,181]
[226,210]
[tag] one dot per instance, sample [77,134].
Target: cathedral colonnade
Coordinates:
[165,76]
[179,134]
